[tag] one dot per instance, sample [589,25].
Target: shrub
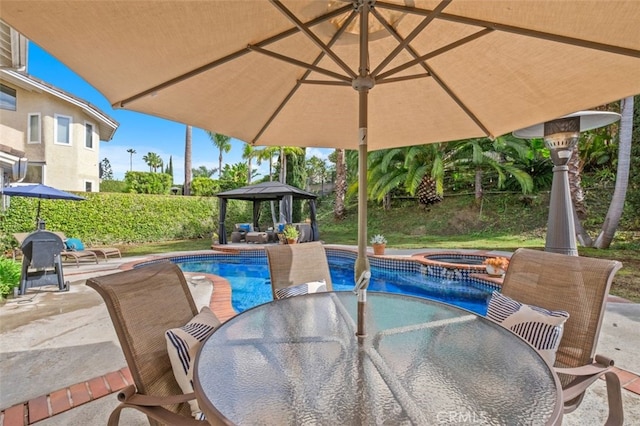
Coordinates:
[10,272]
[113,186]
[204,187]
[116,218]
[148,183]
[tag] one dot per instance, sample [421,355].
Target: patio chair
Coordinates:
[578,285]
[240,231]
[143,304]
[294,265]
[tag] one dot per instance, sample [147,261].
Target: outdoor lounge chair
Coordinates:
[75,245]
[293,265]
[144,303]
[578,285]
[79,255]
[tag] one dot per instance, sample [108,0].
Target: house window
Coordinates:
[7,98]
[33,131]
[35,173]
[88,186]
[88,135]
[62,130]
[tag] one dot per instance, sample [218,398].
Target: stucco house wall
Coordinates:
[72,166]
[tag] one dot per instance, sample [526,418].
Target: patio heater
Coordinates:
[561,136]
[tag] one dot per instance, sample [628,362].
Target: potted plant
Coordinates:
[378,242]
[291,234]
[496,266]
[10,272]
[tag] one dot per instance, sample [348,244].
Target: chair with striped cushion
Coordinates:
[143,304]
[298,269]
[578,285]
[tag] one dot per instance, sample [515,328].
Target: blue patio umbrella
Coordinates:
[39,191]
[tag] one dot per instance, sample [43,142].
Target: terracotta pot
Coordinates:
[378,249]
[291,240]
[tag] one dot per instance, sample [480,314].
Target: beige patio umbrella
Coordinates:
[284,72]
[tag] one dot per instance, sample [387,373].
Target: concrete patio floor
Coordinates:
[52,344]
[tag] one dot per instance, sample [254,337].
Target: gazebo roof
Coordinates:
[266,191]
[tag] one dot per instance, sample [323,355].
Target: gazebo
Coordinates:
[265,191]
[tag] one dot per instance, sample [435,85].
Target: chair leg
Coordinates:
[614,396]
[114,418]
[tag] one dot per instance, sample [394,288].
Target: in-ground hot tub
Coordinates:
[468,262]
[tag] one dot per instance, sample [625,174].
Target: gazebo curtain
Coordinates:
[222,233]
[256,213]
[314,223]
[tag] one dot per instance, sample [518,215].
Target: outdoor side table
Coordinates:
[298,361]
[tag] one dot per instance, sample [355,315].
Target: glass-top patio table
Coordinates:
[298,361]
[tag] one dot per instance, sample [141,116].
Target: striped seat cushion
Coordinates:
[540,327]
[297,290]
[183,344]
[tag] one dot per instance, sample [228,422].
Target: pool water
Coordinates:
[250,284]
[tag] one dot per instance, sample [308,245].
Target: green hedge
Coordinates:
[116,218]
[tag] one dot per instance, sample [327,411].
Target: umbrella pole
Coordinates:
[362,84]
[38,215]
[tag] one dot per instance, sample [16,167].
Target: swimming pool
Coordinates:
[248,275]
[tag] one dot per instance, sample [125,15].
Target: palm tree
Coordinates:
[339,210]
[496,155]
[265,154]
[153,160]
[202,171]
[187,162]
[131,151]
[223,143]
[249,153]
[419,169]
[616,206]
[282,158]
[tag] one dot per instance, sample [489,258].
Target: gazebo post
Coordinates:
[222,233]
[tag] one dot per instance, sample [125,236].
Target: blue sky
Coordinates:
[142,132]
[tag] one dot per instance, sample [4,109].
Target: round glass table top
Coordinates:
[298,361]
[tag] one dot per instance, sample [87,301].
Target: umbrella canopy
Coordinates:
[265,191]
[443,70]
[40,191]
[284,72]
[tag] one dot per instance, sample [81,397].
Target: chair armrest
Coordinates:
[129,396]
[599,366]
[585,376]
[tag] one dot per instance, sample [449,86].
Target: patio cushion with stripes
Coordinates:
[297,290]
[183,344]
[540,327]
